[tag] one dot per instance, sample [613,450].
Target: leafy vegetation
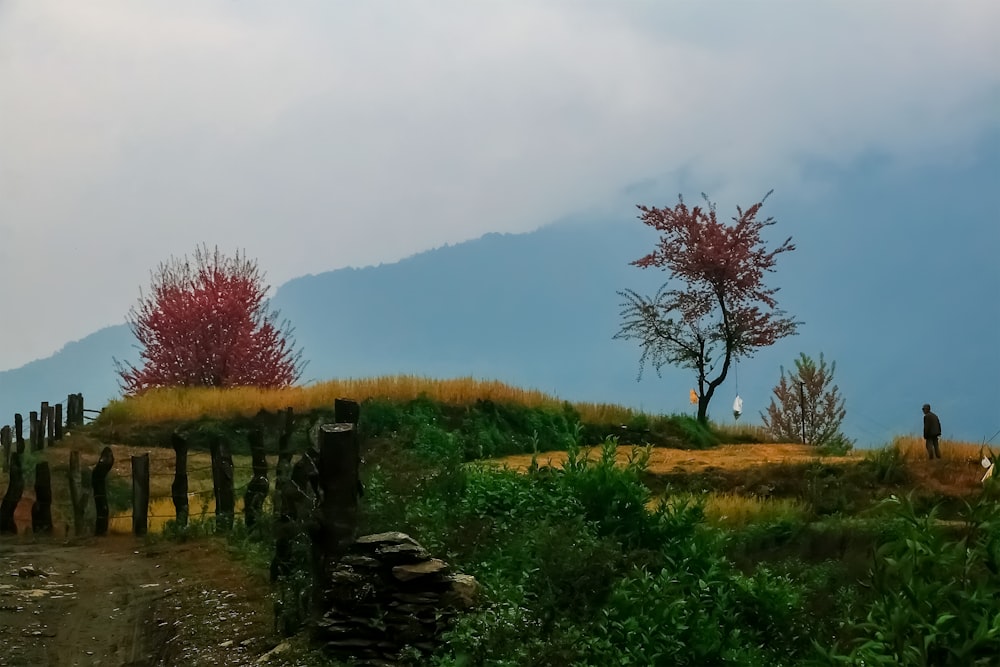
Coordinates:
[582,564]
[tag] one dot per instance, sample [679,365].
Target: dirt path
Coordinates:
[118,601]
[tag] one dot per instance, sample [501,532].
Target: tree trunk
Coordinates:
[179,489]
[140,495]
[12,497]
[99,483]
[41,510]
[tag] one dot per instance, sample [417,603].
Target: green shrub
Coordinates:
[935,593]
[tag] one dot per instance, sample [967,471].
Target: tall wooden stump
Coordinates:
[99,483]
[346,411]
[58,420]
[339,484]
[50,424]
[74,410]
[222,482]
[13,496]
[34,431]
[78,495]
[41,510]
[5,442]
[140,495]
[253,499]
[179,489]
[19,432]
[43,423]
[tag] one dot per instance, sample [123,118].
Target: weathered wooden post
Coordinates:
[140,494]
[58,421]
[50,424]
[43,422]
[339,485]
[34,431]
[284,467]
[179,489]
[346,411]
[294,517]
[253,499]
[41,510]
[5,443]
[99,483]
[222,482]
[74,410]
[12,497]
[19,432]
[78,496]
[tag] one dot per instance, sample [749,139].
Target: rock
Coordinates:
[417,570]
[463,590]
[31,571]
[274,652]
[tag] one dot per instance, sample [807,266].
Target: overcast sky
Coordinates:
[317,135]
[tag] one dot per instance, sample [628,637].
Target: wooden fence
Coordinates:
[321,486]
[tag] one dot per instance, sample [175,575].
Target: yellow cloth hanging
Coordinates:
[694,397]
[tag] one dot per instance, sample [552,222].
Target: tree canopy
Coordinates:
[208,323]
[715,307]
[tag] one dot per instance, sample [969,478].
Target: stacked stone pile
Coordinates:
[388,593]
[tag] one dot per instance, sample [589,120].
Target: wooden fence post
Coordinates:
[283,469]
[19,432]
[58,421]
[253,499]
[339,482]
[12,497]
[140,494]
[43,423]
[222,482]
[78,496]
[34,431]
[346,411]
[179,489]
[50,424]
[292,520]
[74,410]
[41,510]
[5,445]
[99,484]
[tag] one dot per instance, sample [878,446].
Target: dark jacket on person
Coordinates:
[932,425]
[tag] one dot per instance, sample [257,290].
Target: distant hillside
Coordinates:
[895,278]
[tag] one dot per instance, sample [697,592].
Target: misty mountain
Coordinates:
[895,279]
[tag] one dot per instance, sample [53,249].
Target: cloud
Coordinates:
[317,135]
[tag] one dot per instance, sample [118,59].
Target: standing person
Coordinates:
[932,431]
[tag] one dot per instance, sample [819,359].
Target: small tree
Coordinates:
[807,403]
[721,310]
[207,323]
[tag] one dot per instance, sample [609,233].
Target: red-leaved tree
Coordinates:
[717,309]
[208,323]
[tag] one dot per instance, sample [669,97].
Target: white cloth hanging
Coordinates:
[737,407]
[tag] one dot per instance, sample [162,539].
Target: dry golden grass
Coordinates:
[957,473]
[176,404]
[733,510]
[666,460]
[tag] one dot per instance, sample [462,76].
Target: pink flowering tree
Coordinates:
[714,307]
[207,323]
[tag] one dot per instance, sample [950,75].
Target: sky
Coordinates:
[317,135]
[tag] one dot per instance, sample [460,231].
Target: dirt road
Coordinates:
[118,601]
